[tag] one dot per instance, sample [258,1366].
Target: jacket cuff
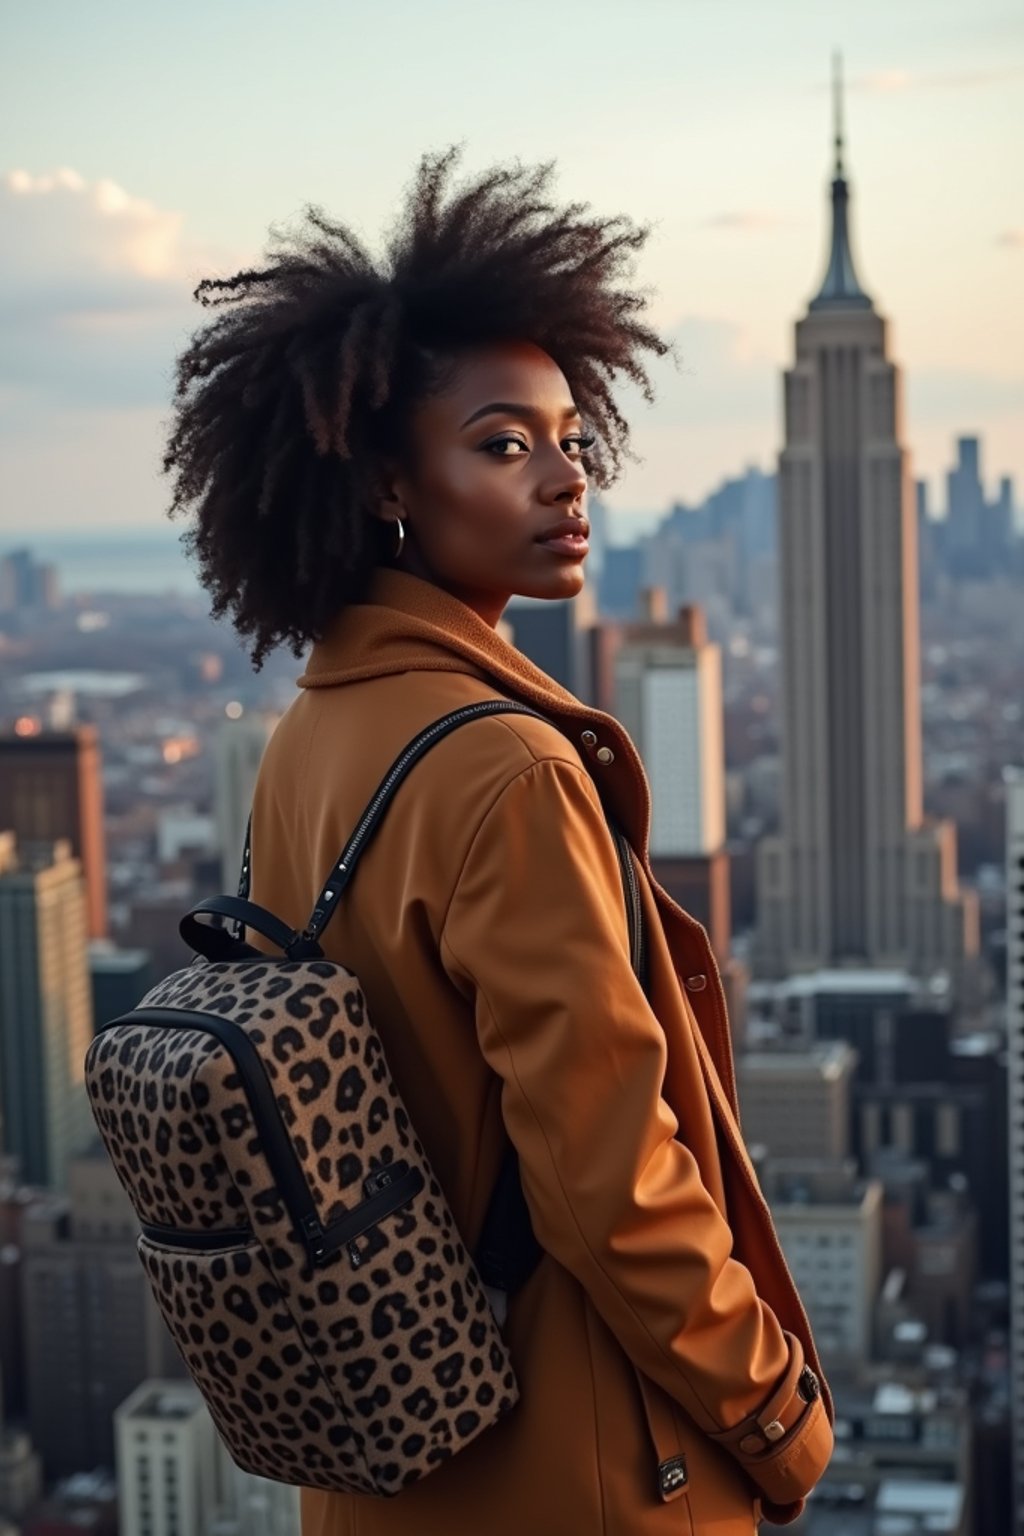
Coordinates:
[785,1447]
[787,1473]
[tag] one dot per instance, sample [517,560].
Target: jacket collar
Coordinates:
[406,624]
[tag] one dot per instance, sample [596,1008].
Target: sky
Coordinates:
[143,146]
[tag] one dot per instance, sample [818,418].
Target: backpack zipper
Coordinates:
[202,1240]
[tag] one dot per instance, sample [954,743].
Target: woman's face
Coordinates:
[493,500]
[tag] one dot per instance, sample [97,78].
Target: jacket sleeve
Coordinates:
[536,935]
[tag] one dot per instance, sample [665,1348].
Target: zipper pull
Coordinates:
[355,1257]
[313,1233]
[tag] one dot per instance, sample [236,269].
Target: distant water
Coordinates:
[112,561]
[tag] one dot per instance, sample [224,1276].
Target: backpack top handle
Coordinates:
[215,942]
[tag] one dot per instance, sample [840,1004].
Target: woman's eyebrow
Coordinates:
[510,408]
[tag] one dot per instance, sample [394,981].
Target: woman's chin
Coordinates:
[555,585]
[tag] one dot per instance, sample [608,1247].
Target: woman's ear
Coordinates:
[387,499]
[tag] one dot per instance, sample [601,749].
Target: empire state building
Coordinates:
[858,877]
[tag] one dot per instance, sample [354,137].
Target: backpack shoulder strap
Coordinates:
[344,869]
[369,821]
[342,872]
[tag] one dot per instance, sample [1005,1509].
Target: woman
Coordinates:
[378,459]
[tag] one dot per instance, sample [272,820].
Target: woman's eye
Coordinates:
[581,442]
[499,446]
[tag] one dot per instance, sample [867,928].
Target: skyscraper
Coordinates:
[978,533]
[1015,1079]
[797,1103]
[238,752]
[965,507]
[166,1459]
[92,1330]
[45,1010]
[50,788]
[175,1475]
[26,584]
[668,695]
[555,637]
[829,1223]
[858,876]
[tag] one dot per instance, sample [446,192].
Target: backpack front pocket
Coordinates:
[251,1360]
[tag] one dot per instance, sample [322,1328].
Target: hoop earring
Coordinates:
[396,553]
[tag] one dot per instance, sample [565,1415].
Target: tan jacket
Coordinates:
[488,928]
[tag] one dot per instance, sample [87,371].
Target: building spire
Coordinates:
[837,108]
[841,288]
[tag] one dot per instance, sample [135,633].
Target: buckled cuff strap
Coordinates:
[761,1430]
[775,1428]
[786,1445]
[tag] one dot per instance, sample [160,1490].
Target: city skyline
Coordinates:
[725,152]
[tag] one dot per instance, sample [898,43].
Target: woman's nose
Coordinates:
[568,482]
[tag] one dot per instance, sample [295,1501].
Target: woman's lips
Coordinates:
[574,545]
[567,538]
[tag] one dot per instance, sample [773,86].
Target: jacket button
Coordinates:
[605,755]
[696,983]
[750,1445]
[808,1386]
[589,739]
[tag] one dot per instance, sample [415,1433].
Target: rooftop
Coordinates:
[828,1059]
[97,1484]
[901,1507]
[106,957]
[897,1397]
[863,982]
[163,1400]
[794,1183]
[940,1504]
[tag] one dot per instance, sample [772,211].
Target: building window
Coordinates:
[947,1130]
[903,1127]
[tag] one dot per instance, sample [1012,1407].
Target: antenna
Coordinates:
[837,108]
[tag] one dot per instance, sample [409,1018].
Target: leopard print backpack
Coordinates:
[297,1243]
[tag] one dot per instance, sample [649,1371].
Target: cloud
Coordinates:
[746,220]
[1013,238]
[95,290]
[87,245]
[886,82]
